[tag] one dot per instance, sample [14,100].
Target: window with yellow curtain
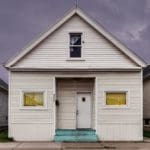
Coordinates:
[33,99]
[115,98]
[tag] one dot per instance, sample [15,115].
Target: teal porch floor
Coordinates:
[79,135]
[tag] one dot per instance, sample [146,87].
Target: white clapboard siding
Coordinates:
[67,95]
[110,123]
[3,108]
[31,124]
[120,123]
[53,52]
[32,131]
[120,132]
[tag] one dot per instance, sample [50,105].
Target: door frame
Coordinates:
[76,98]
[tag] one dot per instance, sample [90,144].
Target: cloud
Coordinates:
[22,21]
[132,32]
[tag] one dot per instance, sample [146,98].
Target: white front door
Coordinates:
[84,110]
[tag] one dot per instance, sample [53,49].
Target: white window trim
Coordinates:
[105,106]
[82,47]
[22,107]
[75,59]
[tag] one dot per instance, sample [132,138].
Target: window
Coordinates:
[116,98]
[75,45]
[33,99]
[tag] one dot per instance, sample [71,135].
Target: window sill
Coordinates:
[33,108]
[75,59]
[115,107]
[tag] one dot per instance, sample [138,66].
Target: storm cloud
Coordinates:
[21,21]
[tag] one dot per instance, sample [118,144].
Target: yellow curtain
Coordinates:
[33,99]
[115,98]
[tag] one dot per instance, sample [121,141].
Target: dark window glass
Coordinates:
[75,39]
[75,51]
[75,45]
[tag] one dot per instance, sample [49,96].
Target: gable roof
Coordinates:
[91,22]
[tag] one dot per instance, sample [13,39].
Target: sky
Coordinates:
[21,21]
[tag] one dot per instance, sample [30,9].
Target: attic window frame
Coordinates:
[81,55]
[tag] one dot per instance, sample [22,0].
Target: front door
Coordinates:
[84,110]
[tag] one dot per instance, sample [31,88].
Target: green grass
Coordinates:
[147,134]
[4,136]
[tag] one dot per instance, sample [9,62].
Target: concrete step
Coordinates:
[79,135]
[60,132]
[79,138]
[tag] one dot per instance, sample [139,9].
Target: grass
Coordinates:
[4,136]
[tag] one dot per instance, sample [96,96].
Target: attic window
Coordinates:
[75,45]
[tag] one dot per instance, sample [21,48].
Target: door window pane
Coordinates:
[115,98]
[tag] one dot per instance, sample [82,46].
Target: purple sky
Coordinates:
[23,20]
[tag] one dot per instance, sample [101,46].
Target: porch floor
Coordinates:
[79,135]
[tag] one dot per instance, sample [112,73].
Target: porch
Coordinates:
[75,110]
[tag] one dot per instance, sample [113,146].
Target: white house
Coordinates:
[3,104]
[76,82]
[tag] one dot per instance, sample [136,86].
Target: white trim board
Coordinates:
[76,69]
[92,23]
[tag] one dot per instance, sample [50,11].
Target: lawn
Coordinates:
[4,136]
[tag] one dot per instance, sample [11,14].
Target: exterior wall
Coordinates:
[120,124]
[146,99]
[30,124]
[54,51]
[110,123]
[3,108]
[67,90]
